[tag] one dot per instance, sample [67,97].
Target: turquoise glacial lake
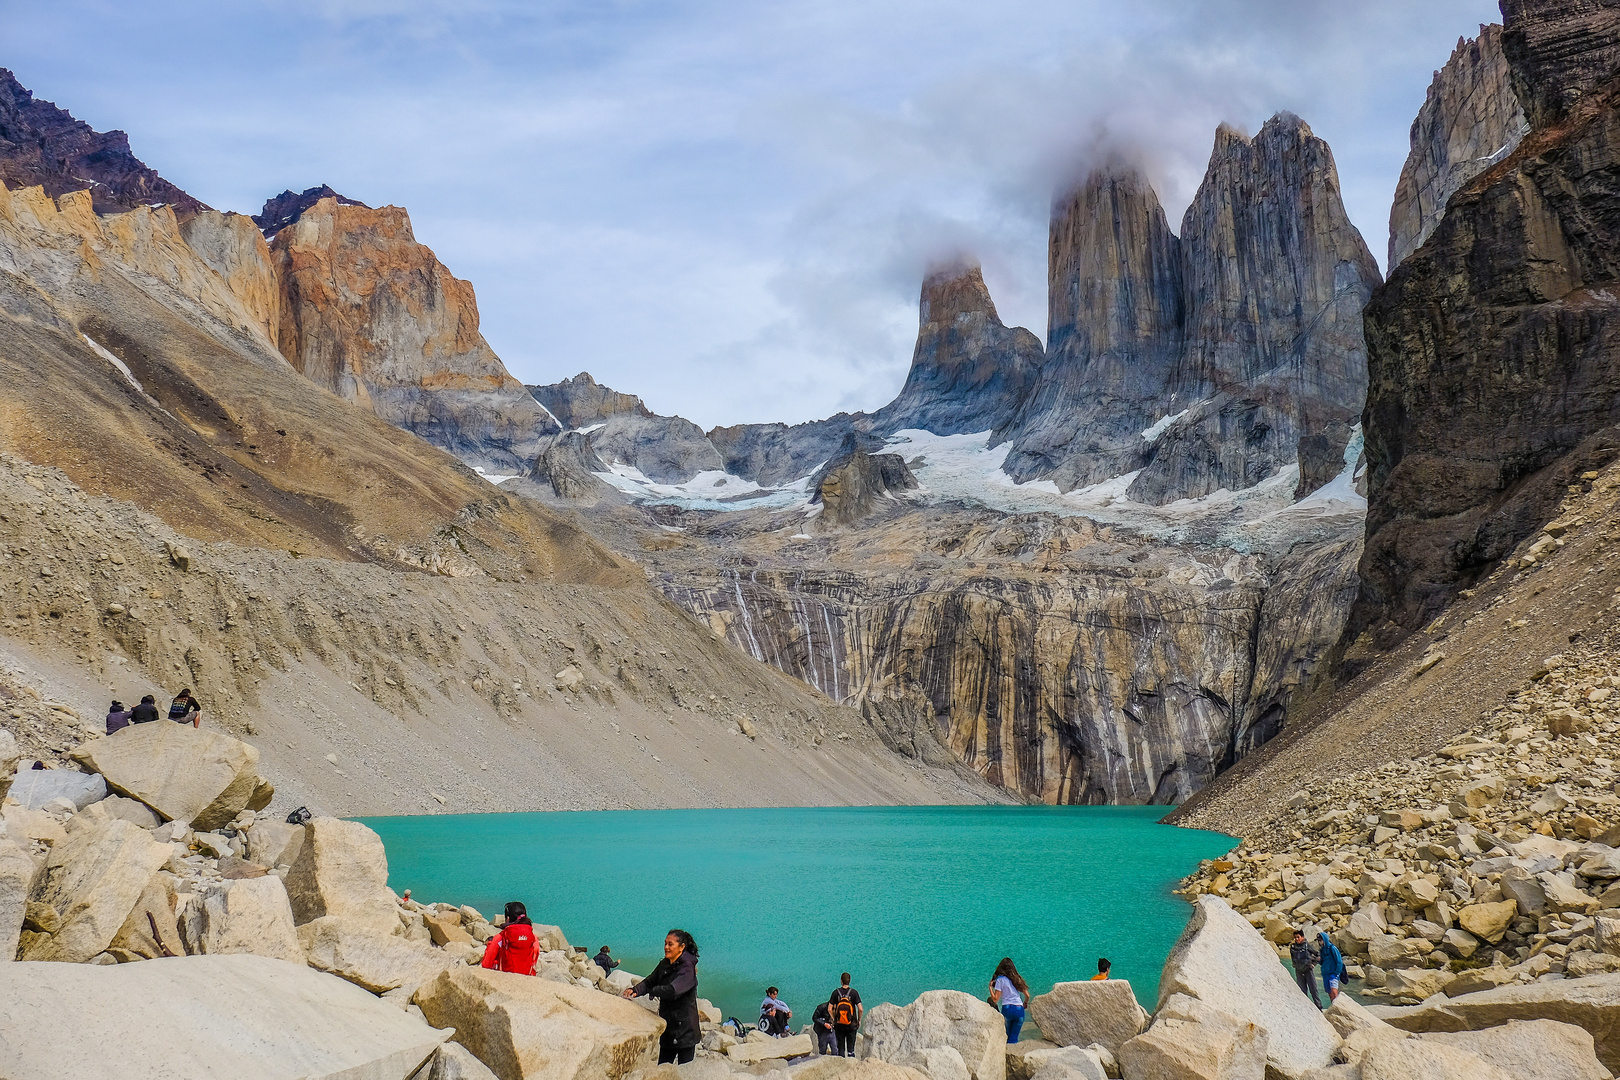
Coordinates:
[906,899]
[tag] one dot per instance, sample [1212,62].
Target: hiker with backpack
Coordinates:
[515,948]
[674,983]
[1008,992]
[845,1006]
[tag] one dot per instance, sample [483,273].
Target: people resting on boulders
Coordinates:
[117,717]
[515,948]
[774,1014]
[145,712]
[821,1023]
[1102,970]
[845,1004]
[604,961]
[186,709]
[1305,957]
[1332,967]
[674,983]
[1008,992]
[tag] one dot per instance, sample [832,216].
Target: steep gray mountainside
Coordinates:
[665,449]
[43,145]
[1494,350]
[969,371]
[581,401]
[284,209]
[1113,335]
[1469,121]
[569,465]
[1245,330]
[773,454]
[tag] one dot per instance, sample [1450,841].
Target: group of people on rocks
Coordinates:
[835,1022]
[184,709]
[1306,957]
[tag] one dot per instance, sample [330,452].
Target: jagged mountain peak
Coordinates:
[582,401]
[284,209]
[41,144]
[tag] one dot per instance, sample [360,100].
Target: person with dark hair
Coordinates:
[845,1004]
[674,983]
[117,717]
[145,712]
[774,1014]
[1333,972]
[186,709]
[821,1023]
[1008,992]
[605,962]
[515,948]
[1305,958]
[1102,970]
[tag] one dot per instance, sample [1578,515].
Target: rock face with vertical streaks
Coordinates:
[1470,120]
[373,316]
[1494,350]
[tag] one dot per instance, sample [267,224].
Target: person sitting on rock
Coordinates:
[186,709]
[1008,992]
[1102,970]
[145,712]
[117,717]
[774,1014]
[1305,957]
[604,961]
[515,948]
[1332,967]
[674,983]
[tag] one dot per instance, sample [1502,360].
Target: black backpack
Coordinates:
[299,816]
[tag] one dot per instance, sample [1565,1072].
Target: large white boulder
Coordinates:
[1224,962]
[1081,1013]
[93,879]
[792,1046]
[456,1062]
[341,869]
[1067,1063]
[526,1028]
[9,756]
[969,1025]
[1531,1049]
[34,788]
[1192,1040]
[357,950]
[274,843]
[151,928]
[250,915]
[1418,1059]
[201,777]
[201,1018]
[1591,1003]
[17,873]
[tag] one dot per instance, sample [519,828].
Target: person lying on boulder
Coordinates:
[674,983]
[515,948]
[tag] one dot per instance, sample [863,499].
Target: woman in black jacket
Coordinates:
[674,983]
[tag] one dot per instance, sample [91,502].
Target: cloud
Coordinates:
[727,208]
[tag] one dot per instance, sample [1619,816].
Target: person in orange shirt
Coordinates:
[1102,969]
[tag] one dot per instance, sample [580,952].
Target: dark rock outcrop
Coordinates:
[582,401]
[1470,120]
[1494,350]
[568,464]
[773,454]
[850,487]
[969,371]
[284,209]
[1246,329]
[43,145]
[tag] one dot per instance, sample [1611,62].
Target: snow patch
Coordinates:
[711,489]
[494,478]
[107,355]
[1152,432]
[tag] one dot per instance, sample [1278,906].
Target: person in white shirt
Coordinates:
[1008,992]
[774,1014]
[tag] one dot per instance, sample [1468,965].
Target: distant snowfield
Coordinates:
[966,469]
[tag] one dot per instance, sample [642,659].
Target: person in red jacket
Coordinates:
[515,948]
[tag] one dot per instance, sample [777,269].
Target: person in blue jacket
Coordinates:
[1332,966]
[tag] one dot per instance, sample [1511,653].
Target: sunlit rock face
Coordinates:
[373,316]
[1200,360]
[1494,349]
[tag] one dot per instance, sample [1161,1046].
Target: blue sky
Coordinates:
[727,207]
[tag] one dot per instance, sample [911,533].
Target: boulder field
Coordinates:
[269,949]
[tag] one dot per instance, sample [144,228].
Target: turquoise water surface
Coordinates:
[906,899]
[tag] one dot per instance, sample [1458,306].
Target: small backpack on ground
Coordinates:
[299,816]
[843,1010]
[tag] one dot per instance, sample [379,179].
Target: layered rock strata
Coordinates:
[1199,360]
[1491,350]
[1469,121]
[43,145]
[373,316]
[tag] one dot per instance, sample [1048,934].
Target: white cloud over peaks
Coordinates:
[727,207]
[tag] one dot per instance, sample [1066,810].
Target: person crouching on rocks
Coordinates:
[1305,958]
[1008,992]
[117,717]
[515,948]
[1332,967]
[674,983]
[774,1014]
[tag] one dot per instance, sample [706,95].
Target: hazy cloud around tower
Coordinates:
[725,207]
